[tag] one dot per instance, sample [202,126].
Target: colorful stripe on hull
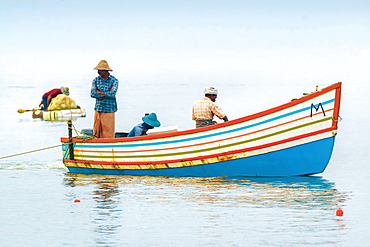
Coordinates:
[286,162]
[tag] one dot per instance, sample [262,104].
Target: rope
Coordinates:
[337,120]
[41,149]
[89,137]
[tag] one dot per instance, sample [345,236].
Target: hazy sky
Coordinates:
[324,39]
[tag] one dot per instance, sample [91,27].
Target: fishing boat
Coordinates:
[293,139]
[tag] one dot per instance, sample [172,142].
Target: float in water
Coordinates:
[293,139]
[56,115]
[59,115]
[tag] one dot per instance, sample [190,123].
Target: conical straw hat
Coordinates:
[103,65]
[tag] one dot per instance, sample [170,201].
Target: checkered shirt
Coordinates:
[206,109]
[108,103]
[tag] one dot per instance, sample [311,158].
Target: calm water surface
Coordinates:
[162,211]
[38,205]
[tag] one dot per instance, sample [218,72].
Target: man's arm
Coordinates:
[219,113]
[94,93]
[112,91]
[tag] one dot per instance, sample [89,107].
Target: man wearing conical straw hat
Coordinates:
[104,89]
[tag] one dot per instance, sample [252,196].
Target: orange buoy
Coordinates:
[77,200]
[339,212]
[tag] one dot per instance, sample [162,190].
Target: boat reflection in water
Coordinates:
[124,203]
[306,192]
[105,205]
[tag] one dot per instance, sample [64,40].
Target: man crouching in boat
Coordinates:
[149,122]
[48,96]
[104,89]
[204,110]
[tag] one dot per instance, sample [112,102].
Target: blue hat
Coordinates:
[151,120]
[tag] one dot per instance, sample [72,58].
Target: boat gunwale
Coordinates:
[336,86]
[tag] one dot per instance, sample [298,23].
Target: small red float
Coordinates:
[339,212]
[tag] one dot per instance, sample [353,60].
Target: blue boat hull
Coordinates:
[305,159]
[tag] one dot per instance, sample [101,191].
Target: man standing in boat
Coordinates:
[204,110]
[104,89]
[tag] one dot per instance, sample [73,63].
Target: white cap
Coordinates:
[210,90]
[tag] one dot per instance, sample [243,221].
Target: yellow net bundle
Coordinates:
[62,102]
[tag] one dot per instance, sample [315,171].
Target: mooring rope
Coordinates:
[41,149]
[86,136]
[4,157]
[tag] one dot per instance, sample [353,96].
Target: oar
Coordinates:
[21,110]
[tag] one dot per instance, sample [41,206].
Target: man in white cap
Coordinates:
[204,110]
[104,89]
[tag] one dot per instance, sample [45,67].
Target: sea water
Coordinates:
[43,205]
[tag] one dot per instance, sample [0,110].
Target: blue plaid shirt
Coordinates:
[105,103]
